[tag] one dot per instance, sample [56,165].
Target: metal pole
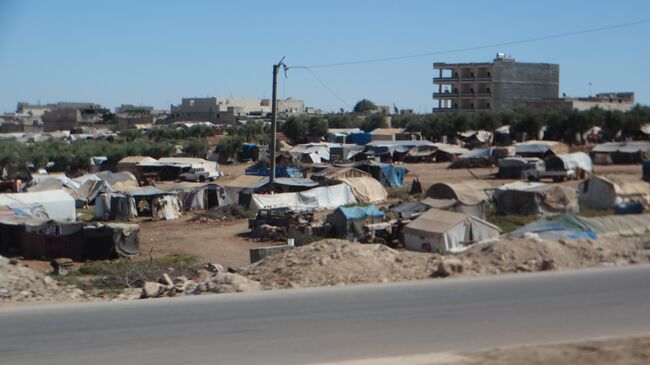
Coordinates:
[274,102]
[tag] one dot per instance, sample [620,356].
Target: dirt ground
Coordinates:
[625,351]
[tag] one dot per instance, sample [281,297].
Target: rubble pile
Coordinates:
[336,262]
[536,254]
[20,284]
[210,279]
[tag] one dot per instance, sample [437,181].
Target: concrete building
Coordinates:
[229,110]
[622,101]
[500,85]
[66,116]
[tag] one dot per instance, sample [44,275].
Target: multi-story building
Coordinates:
[621,101]
[501,85]
[228,110]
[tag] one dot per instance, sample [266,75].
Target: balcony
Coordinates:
[439,80]
[445,95]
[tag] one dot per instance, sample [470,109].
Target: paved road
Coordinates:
[330,324]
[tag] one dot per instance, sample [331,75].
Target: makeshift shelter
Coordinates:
[527,198]
[512,167]
[119,181]
[366,189]
[111,240]
[481,157]
[334,173]
[385,173]
[385,134]
[114,206]
[248,151]
[400,150]
[502,136]
[620,152]
[242,187]
[446,232]
[605,192]
[346,152]
[448,152]
[202,197]
[324,197]
[89,190]
[55,204]
[571,226]
[474,139]
[470,197]
[408,210]
[476,210]
[313,152]
[540,149]
[348,222]
[577,161]
[339,135]
[160,205]
[132,164]
[45,238]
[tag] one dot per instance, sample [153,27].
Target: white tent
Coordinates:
[444,231]
[605,192]
[366,189]
[318,198]
[58,204]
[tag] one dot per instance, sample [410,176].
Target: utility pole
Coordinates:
[274,125]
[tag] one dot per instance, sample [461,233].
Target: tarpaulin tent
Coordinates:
[399,150]
[346,152]
[408,210]
[512,167]
[333,173]
[620,152]
[443,231]
[319,198]
[347,222]
[242,187]
[578,161]
[366,189]
[58,204]
[119,181]
[605,192]
[115,206]
[89,190]
[454,205]
[160,205]
[526,198]
[385,173]
[202,197]
[469,192]
[540,149]
[562,226]
[338,135]
[448,152]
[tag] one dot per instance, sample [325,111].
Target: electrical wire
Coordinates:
[458,50]
[324,85]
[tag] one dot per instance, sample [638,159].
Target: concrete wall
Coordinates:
[61,119]
[515,83]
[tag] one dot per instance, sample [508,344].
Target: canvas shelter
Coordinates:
[324,197]
[577,161]
[605,192]
[242,187]
[446,232]
[115,207]
[366,189]
[528,198]
[338,135]
[119,181]
[475,139]
[334,173]
[620,152]
[540,148]
[387,174]
[512,167]
[348,222]
[111,240]
[55,204]
[472,196]
[132,163]
[475,210]
[408,210]
[448,152]
[158,204]
[346,152]
[401,149]
[572,226]
[202,197]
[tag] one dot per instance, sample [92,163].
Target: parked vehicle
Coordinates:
[536,170]
[196,174]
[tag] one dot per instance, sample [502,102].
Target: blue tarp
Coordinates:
[564,226]
[392,175]
[359,212]
[358,138]
[279,171]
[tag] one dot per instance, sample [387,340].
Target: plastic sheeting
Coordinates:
[469,192]
[359,212]
[366,189]
[605,192]
[58,204]
[564,226]
[115,207]
[525,198]
[443,231]
[318,198]
[569,161]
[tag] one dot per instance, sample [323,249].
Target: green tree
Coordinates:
[196,148]
[317,127]
[295,128]
[364,106]
[373,122]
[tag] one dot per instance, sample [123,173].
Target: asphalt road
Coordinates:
[331,324]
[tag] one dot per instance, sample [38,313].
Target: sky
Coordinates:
[157,52]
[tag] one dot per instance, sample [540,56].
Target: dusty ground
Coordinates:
[626,351]
[223,243]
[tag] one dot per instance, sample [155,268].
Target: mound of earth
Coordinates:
[337,262]
[19,283]
[535,254]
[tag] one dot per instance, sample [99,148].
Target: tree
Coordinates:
[317,127]
[196,148]
[364,106]
[373,122]
[229,146]
[295,128]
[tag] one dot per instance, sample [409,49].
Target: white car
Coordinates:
[197,174]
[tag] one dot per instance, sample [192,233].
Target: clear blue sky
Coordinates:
[156,52]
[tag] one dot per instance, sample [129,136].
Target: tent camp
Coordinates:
[454,205]
[54,204]
[446,232]
[158,204]
[400,150]
[540,149]
[620,152]
[512,167]
[346,152]
[348,222]
[115,207]
[119,181]
[528,198]
[132,163]
[334,173]
[481,157]
[605,192]
[242,187]
[448,152]
[202,197]
[324,197]
[366,189]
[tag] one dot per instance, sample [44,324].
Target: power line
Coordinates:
[510,43]
[325,86]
